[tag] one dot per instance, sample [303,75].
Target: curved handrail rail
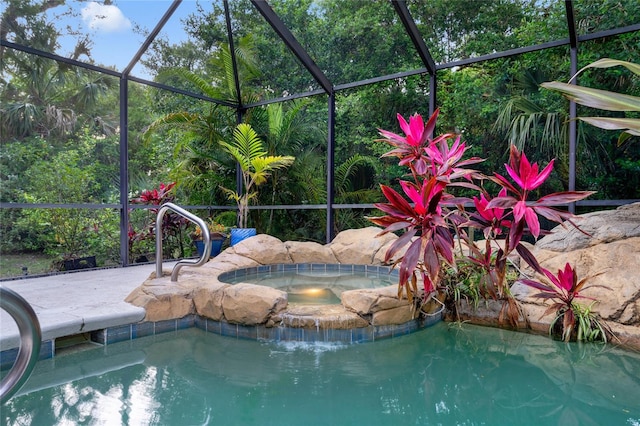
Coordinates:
[30,337]
[206,239]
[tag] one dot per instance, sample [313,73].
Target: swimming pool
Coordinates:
[447,374]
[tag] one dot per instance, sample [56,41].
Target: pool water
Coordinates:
[447,375]
[316,287]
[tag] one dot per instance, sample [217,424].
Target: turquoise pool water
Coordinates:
[444,375]
[318,284]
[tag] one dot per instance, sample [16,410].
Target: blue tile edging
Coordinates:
[253,272]
[262,332]
[127,332]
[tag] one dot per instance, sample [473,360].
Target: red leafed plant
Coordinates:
[563,288]
[434,166]
[157,196]
[173,225]
[431,216]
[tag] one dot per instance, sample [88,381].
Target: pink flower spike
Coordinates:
[539,179]
[417,126]
[552,277]
[514,176]
[566,278]
[519,210]
[526,169]
[403,124]
[415,196]
[488,213]
[481,205]
[414,129]
[527,176]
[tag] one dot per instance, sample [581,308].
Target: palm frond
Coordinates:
[521,119]
[275,116]
[90,92]
[345,171]
[245,146]
[262,166]
[204,86]
[595,98]
[22,117]
[603,99]
[183,119]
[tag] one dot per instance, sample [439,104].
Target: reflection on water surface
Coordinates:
[446,374]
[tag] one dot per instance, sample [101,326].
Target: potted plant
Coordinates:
[247,149]
[218,233]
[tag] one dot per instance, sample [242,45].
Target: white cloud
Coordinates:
[106,18]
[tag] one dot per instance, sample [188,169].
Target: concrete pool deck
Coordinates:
[78,302]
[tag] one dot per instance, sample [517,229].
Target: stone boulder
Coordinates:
[262,248]
[359,246]
[163,299]
[228,260]
[610,259]
[598,228]
[394,316]
[321,317]
[208,300]
[370,300]
[309,252]
[251,304]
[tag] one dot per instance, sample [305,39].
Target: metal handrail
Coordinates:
[30,337]
[206,239]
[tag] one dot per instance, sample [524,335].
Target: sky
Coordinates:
[111,28]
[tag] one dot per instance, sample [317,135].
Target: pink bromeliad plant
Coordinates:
[563,289]
[429,215]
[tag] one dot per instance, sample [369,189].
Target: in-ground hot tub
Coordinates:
[328,302]
[349,303]
[314,284]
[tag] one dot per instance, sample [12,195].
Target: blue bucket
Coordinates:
[239,234]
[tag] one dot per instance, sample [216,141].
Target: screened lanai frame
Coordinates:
[327,87]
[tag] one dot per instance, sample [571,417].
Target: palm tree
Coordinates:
[256,165]
[288,131]
[525,120]
[47,98]
[200,164]
[534,117]
[348,191]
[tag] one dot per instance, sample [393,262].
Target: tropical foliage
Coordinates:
[173,226]
[50,108]
[578,322]
[247,149]
[431,215]
[604,99]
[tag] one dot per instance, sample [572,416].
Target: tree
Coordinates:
[256,166]
[200,165]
